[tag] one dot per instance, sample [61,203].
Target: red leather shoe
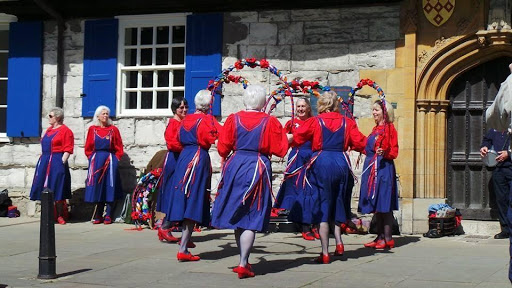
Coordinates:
[315,233]
[371,244]
[323,259]
[382,244]
[184,257]
[190,244]
[107,220]
[61,220]
[248,267]
[244,272]
[340,249]
[165,235]
[308,236]
[97,220]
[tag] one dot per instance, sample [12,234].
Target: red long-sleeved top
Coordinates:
[311,130]
[64,141]
[387,140]
[116,144]
[206,135]
[273,142]
[289,129]
[171,131]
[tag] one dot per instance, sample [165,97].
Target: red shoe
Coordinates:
[383,244]
[190,244]
[340,249]
[248,267]
[371,244]
[97,220]
[61,220]
[185,257]
[107,220]
[244,272]
[323,259]
[308,236]
[315,233]
[165,235]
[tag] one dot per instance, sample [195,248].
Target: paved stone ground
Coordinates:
[110,256]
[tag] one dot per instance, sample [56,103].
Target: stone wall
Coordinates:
[327,45]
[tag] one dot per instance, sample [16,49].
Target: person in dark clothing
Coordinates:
[501,175]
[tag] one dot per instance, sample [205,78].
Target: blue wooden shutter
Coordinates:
[24,79]
[204,55]
[100,65]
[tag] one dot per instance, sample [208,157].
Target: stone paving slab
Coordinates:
[111,256]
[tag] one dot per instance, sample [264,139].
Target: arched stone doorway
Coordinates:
[467,182]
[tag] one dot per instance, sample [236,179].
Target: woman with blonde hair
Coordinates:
[328,171]
[104,149]
[379,193]
[52,170]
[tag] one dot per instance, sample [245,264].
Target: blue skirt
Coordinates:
[58,181]
[162,203]
[383,197]
[189,196]
[230,211]
[292,186]
[327,194]
[103,183]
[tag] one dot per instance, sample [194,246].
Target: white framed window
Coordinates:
[5,20]
[151,63]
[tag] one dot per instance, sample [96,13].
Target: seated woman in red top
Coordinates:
[189,198]
[328,173]
[379,193]
[244,198]
[104,149]
[52,170]
[179,107]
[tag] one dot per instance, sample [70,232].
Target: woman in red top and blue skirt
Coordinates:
[52,169]
[179,107]
[104,149]
[244,197]
[379,193]
[299,155]
[328,173]
[189,198]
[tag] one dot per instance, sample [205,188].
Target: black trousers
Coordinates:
[502,180]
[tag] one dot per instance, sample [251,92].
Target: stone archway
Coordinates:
[454,57]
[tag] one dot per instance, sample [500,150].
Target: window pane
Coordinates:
[131,79]
[178,94]
[3,64]
[146,56]
[162,56]
[162,35]
[3,92]
[162,99]
[3,117]
[4,39]
[146,100]
[131,100]
[130,57]
[130,36]
[163,78]
[178,34]
[146,35]
[178,55]
[147,78]
[178,78]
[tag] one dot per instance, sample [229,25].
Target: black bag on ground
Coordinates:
[5,202]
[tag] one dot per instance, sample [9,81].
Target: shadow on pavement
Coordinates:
[72,272]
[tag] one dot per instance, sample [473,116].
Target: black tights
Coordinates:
[384,225]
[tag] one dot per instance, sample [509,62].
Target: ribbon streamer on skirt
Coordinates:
[48,171]
[372,178]
[256,187]
[103,170]
[190,173]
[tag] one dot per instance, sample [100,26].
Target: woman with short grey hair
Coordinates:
[190,184]
[52,170]
[244,198]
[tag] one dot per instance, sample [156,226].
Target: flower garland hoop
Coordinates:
[359,86]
